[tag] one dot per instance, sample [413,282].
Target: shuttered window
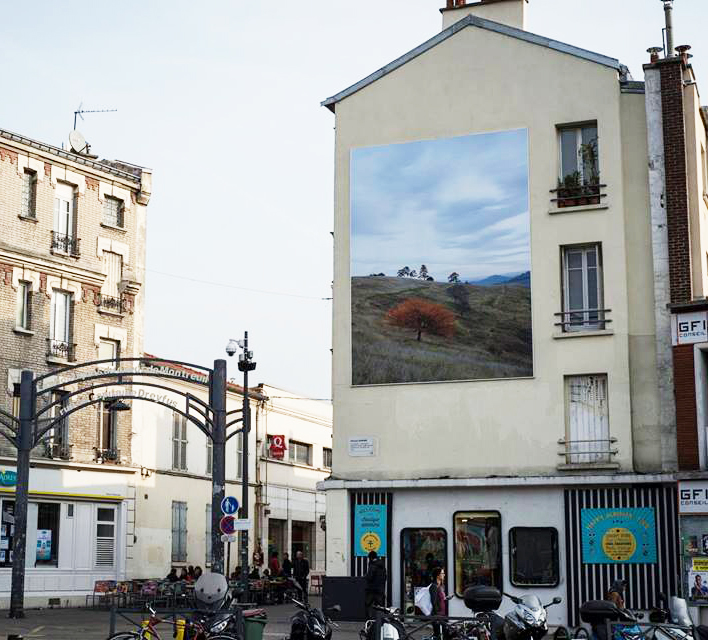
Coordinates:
[114,273]
[105,536]
[179,442]
[179,531]
[588,438]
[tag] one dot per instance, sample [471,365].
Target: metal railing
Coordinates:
[61,349]
[583,319]
[595,451]
[578,196]
[65,243]
[109,303]
[108,455]
[57,450]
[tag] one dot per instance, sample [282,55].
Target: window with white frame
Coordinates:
[64,210]
[105,536]
[60,327]
[582,288]
[209,456]
[29,194]
[179,531]
[113,211]
[108,349]
[579,158]
[179,442]
[587,419]
[22,309]
[107,427]
[326,458]
[300,452]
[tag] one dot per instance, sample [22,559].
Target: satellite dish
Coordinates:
[77,141]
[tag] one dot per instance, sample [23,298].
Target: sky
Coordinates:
[222,100]
[455,204]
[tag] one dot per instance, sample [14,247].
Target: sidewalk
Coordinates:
[88,624]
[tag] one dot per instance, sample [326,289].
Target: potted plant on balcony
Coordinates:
[568,190]
[591,185]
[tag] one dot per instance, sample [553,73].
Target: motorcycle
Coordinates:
[392,627]
[309,623]
[597,613]
[677,614]
[215,610]
[528,620]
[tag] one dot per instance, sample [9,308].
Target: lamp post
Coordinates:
[245,364]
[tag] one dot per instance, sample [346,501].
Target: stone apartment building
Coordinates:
[72,261]
[495,413]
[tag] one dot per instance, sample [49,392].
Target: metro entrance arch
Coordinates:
[111,381]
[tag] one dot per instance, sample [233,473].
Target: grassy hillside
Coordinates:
[492,337]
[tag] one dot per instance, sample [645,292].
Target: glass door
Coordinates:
[422,550]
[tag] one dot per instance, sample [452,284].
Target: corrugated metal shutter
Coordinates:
[105,552]
[179,531]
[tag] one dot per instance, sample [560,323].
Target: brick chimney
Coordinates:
[509,12]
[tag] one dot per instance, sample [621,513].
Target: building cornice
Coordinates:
[45,264]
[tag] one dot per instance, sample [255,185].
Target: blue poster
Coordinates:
[370,529]
[619,535]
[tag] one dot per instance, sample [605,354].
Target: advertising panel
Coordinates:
[370,529]
[619,535]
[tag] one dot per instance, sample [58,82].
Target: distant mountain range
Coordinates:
[522,279]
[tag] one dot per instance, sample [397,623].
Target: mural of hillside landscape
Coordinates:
[440,260]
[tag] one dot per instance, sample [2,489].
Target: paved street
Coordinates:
[86,624]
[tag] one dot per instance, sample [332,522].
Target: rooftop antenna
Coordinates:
[79,111]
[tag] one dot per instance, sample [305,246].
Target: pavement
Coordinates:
[89,624]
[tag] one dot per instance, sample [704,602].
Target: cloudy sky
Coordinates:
[458,204]
[221,98]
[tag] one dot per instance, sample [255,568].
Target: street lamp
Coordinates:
[245,365]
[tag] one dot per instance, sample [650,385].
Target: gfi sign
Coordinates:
[693,496]
[689,328]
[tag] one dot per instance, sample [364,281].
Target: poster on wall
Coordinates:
[370,529]
[619,535]
[44,544]
[440,260]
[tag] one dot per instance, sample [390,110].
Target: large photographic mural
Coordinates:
[440,260]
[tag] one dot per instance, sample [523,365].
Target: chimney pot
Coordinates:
[654,53]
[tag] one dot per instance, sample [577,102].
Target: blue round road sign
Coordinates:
[229,505]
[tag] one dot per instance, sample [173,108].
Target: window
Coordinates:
[209,456]
[179,531]
[533,554]
[29,194]
[7,532]
[47,534]
[579,154]
[477,538]
[22,310]
[64,212]
[422,550]
[58,441]
[108,349]
[300,452]
[582,288]
[114,273]
[113,211]
[60,328]
[239,455]
[326,458]
[16,400]
[704,168]
[107,428]
[105,536]
[588,427]
[207,560]
[179,442]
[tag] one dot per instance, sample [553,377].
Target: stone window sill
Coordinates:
[64,254]
[583,334]
[23,332]
[112,314]
[27,218]
[584,207]
[55,360]
[588,466]
[105,225]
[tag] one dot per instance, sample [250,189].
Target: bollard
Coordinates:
[112,621]
[179,629]
[145,624]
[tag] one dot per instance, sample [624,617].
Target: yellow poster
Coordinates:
[700,564]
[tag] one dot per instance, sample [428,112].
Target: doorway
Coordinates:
[302,540]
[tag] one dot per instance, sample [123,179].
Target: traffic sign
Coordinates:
[242,525]
[226,524]
[230,538]
[229,506]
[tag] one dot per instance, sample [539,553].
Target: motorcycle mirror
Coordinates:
[557,600]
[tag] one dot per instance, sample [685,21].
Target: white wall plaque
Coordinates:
[361,446]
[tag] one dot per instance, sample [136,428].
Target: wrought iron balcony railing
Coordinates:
[598,451]
[579,195]
[108,455]
[583,319]
[57,450]
[61,349]
[109,303]
[65,243]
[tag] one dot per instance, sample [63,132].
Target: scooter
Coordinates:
[676,614]
[528,620]
[309,623]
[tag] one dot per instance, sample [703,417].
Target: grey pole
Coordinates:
[217,400]
[245,365]
[24,441]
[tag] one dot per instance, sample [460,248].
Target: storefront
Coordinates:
[693,524]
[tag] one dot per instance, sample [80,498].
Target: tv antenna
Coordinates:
[79,111]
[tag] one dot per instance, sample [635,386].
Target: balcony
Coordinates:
[583,320]
[578,195]
[61,350]
[57,450]
[63,243]
[583,454]
[111,304]
[108,455]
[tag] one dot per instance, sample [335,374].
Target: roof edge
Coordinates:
[482,23]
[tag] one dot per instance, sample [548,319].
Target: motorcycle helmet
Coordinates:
[210,590]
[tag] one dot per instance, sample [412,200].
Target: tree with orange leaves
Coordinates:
[421,315]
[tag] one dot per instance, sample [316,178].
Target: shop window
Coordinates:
[533,553]
[7,532]
[300,452]
[179,531]
[105,536]
[477,549]
[47,534]
[422,550]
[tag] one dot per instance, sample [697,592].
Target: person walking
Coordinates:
[301,572]
[439,599]
[274,565]
[375,591]
[287,567]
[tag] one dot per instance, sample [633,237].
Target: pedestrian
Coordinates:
[183,575]
[274,564]
[197,573]
[438,599]
[190,573]
[301,571]
[287,567]
[172,576]
[375,584]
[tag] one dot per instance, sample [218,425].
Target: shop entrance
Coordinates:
[422,550]
[277,538]
[302,540]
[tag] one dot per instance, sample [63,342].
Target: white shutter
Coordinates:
[114,273]
[61,308]
[588,419]
[64,209]
[105,552]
